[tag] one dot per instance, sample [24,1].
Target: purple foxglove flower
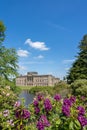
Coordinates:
[35,103]
[39,97]
[47,105]
[25,114]
[67,102]
[37,110]
[81,110]
[42,123]
[66,110]
[82,120]
[57,97]
[73,99]
[43,118]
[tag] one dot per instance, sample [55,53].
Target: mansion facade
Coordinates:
[34,79]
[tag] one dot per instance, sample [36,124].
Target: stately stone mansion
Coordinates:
[34,79]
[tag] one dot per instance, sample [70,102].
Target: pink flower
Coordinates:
[5,113]
[10,122]
[17,104]
[7,94]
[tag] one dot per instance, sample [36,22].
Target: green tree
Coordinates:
[79,87]
[8,58]
[79,67]
[2,30]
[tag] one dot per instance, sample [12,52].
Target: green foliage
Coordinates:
[22,118]
[7,100]
[42,89]
[8,58]
[61,87]
[8,63]
[4,82]
[7,97]
[79,87]
[79,67]
[2,30]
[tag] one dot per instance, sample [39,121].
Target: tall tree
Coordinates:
[8,57]
[2,30]
[79,67]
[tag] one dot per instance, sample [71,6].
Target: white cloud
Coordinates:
[67,68]
[36,62]
[37,45]
[22,67]
[57,26]
[39,57]
[22,53]
[68,61]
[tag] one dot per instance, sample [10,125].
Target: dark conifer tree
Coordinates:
[79,67]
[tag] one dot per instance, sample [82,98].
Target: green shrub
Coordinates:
[79,87]
[12,84]
[42,89]
[7,100]
[62,88]
[47,113]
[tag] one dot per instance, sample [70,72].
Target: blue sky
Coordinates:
[45,33]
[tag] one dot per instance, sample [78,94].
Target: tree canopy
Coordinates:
[2,30]
[8,57]
[79,67]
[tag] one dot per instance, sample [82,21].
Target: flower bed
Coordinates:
[47,113]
